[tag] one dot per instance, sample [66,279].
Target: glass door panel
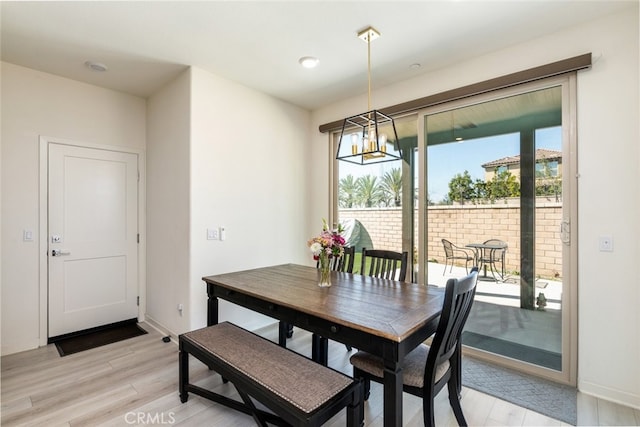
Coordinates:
[376,202]
[494,199]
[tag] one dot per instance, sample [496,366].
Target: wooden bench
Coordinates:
[297,390]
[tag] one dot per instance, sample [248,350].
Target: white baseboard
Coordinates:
[609,394]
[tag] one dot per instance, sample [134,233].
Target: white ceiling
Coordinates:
[145,44]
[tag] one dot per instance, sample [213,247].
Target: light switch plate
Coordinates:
[212,234]
[605,243]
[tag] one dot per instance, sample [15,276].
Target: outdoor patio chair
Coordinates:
[453,253]
[493,256]
[428,368]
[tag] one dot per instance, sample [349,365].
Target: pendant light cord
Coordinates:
[369,70]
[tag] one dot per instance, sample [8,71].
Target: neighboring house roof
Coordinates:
[541,153]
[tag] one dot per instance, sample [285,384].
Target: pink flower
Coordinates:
[329,241]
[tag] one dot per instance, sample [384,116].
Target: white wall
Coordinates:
[208,168]
[168,195]
[34,104]
[608,188]
[220,154]
[248,175]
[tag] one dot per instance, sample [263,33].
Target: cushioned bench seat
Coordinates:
[298,390]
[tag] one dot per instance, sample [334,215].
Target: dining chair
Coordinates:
[384,264]
[453,252]
[427,369]
[493,256]
[342,263]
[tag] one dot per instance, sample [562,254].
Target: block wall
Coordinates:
[471,224]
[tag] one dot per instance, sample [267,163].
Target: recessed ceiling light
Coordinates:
[415,66]
[96,66]
[308,61]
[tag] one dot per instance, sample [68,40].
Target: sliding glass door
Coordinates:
[498,195]
[484,181]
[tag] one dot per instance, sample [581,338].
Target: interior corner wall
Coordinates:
[38,104]
[168,199]
[608,184]
[249,176]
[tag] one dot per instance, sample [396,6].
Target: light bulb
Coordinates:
[383,142]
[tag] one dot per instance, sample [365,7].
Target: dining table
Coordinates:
[384,317]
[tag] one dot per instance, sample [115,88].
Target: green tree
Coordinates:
[347,192]
[461,188]
[503,185]
[480,189]
[391,187]
[548,181]
[368,191]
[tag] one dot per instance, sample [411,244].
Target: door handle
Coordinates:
[59,252]
[565,231]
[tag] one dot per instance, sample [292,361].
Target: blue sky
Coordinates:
[447,160]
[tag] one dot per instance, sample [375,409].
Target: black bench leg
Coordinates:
[252,408]
[183,375]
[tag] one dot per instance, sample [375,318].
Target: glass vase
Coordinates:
[324,271]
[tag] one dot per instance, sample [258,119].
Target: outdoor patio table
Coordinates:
[380,316]
[479,248]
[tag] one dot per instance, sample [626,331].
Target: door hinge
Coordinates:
[138,238]
[138,175]
[138,301]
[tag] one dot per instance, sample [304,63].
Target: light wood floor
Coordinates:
[134,382]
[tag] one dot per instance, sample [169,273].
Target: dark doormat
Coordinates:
[97,337]
[552,399]
[514,350]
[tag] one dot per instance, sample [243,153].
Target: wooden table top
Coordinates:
[385,308]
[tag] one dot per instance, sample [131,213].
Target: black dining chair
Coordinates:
[427,369]
[384,264]
[453,253]
[342,263]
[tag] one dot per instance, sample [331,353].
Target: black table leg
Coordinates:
[392,394]
[212,307]
[320,349]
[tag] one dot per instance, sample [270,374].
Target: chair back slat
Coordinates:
[343,263]
[458,299]
[384,264]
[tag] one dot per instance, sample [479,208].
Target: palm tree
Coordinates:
[347,192]
[391,186]
[369,193]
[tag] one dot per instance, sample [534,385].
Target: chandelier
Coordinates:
[369,137]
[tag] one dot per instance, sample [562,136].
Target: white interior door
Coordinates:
[93,235]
